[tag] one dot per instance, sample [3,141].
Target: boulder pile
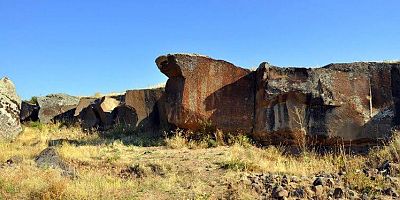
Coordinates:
[347,103]
[350,103]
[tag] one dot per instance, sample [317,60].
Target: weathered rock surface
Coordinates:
[10,105]
[149,105]
[84,103]
[49,157]
[125,115]
[352,103]
[55,105]
[85,113]
[103,108]
[29,112]
[201,89]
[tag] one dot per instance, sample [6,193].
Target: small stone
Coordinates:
[318,181]
[338,193]
[14,160]
[279,192]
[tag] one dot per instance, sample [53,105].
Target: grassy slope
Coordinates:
[183,170]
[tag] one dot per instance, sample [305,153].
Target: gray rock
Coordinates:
[55,105]
[10,105]
[49,157]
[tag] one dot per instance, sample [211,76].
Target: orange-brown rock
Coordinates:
[201,89]
[352,103]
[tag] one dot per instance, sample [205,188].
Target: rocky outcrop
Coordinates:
[350,103]
[10,105]
[149,105]
[55,106]
[29,111]
[201,89]
[353,103]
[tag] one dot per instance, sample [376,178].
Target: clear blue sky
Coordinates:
[82,47]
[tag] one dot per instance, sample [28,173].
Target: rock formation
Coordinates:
[10,105]
[201,89]
[149,105]
[55,105]
[352,103]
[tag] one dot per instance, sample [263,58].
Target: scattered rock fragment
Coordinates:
[49,157]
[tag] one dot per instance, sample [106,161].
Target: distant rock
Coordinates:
[149,105]
[53,106]
[10,105]
[29,111]
[84,103]
[201,89]
[103,109]
[125,115]
[86,114]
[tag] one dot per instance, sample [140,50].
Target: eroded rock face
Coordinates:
[201,89]
[10,105]
[55,105]
[352,103]
[149,105]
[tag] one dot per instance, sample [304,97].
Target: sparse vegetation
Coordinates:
[114,165]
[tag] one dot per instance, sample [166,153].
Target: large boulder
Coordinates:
[55,105]
[125,115]
[149,106]
[10,105]
[351,103]
[204,90]
[29,111]
[103,108]
[85,113]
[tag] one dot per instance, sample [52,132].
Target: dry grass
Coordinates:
[178,169]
